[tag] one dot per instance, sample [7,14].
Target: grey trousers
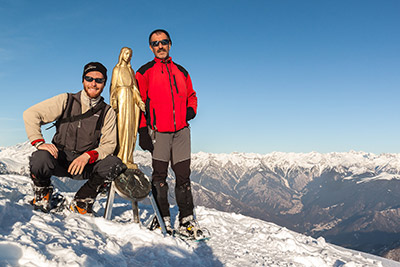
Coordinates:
[174,148]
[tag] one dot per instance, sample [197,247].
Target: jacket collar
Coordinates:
[87,102]
[168,60]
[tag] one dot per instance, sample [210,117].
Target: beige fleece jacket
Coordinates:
[51,109]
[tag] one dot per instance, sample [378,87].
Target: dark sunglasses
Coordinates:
[156,43]
[97,80]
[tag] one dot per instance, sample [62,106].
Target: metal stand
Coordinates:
[157,213]
[110,202]
[135,208]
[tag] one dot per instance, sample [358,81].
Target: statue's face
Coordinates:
[92,88]
[161,51]
[127,55]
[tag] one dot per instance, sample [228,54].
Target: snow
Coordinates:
[33,238]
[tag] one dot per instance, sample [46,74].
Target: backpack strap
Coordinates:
[68,106]
[100,106]
[87,114]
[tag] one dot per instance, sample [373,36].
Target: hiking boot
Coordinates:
[82,206]
[167,222]
[154,224]
[42,198]
[189,227]
[168,227]
[104,188]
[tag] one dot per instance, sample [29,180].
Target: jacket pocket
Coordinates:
[176,85]
[147,113]
[154,120]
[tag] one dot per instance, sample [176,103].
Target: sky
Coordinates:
[289,76]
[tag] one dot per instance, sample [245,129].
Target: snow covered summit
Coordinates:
[32,238]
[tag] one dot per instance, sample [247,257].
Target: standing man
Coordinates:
[82,147]
[171,102]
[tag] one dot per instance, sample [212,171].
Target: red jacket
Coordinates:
[167,90]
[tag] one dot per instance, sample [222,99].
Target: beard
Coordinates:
[93,92]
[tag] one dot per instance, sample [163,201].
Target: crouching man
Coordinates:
[82,147]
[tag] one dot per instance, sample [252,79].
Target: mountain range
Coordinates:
[351,199]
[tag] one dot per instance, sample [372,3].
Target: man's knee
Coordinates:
[110,167]
[42,164]
[182,172]
[160,171]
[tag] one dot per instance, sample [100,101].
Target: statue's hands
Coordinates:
[77,165]
[51,148]
[114,104]
[142,106]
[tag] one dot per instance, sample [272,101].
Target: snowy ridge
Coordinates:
[15,159]
[354,162]
[32,238]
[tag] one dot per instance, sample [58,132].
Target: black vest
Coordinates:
[79,132]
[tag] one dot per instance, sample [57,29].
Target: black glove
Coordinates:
[190,113]
[145,141]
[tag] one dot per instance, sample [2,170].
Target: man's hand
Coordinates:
[190,114]
[145,141]
[77,165]
[51,148]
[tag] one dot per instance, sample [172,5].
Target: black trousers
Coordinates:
[183,192]
[43,165]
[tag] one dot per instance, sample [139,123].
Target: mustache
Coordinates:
[161,50]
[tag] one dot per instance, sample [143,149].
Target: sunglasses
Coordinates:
[97,80]
[156,43]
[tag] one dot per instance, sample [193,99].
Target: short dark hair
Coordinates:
[160,31]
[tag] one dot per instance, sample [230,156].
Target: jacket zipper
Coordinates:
[172,93]
[76,134]
[154,120]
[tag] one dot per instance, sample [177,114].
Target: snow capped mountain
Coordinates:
[15,159]
[355,162]
[348,198]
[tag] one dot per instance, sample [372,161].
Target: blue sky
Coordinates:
[290,75]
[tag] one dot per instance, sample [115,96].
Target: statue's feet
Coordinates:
[133,166]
